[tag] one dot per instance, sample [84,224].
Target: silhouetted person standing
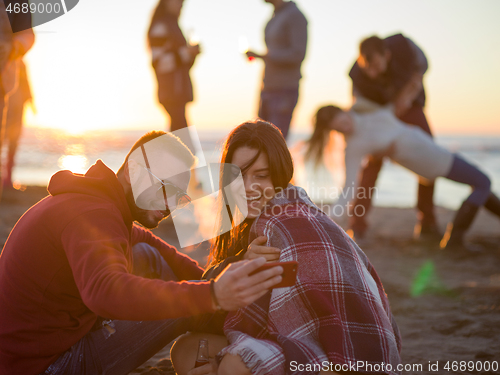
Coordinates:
[172,59]
[286,41]
[16,38]
[14,122]
[390,71]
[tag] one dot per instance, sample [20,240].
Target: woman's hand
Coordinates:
[257,249]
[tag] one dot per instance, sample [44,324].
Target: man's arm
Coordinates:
[420,60]
[413,86]
[96,245]
[407,95]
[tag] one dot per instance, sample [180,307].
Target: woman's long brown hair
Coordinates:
[265,138]
[319,139]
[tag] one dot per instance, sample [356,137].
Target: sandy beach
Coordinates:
[447,305]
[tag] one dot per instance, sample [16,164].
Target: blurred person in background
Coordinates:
[286,40]
[377,131]
[390,71]
[172,58]
[16,38]
[14,122]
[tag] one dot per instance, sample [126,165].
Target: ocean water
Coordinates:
[42,152]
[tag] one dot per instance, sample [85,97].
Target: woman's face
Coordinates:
[259,188]
[174,7]
[342,123]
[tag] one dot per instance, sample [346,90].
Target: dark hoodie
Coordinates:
[68,259]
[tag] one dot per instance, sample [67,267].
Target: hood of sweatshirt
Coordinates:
[99,181]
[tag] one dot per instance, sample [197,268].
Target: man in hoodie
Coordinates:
[83,290]
[286,41]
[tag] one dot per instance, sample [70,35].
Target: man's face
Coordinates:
[155,191]
[376,66]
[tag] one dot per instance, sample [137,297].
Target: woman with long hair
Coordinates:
[336,312]
[379,132]
[172,58]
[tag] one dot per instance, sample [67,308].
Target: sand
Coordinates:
[453,313]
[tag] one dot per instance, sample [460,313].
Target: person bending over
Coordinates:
[379,132]
[387,71]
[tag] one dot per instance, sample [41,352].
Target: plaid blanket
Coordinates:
[336,314]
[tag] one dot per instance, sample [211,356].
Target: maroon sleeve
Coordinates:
[183,266]
[96,244]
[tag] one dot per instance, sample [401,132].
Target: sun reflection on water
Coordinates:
[74,159]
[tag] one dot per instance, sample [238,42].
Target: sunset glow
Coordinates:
[90,69]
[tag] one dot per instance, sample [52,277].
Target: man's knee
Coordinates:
[145,260]
[149,263]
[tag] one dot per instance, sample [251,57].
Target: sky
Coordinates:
[90,69]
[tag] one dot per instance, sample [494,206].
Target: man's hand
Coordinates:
[257,249]
[408,94]
[234,289]
[254,55]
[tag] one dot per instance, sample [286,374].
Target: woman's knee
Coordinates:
[184,351]
[233,365]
